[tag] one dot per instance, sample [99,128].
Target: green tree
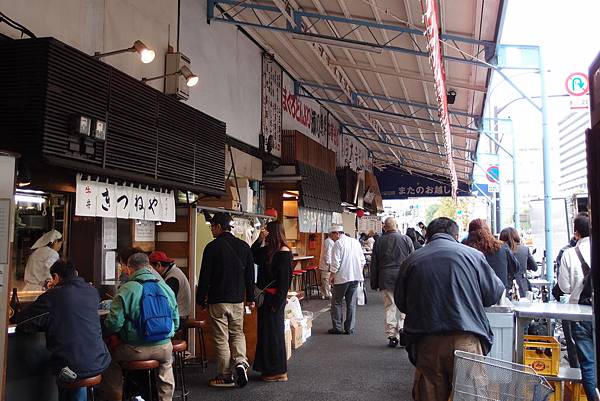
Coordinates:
[449,208]
[430,212]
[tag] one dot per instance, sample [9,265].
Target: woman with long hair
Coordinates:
[511,237]
[412,234]
[497,254]
[274,260]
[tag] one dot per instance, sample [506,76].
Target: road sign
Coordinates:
[493,188]
[493,174]
[577,84]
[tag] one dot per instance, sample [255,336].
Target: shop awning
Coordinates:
[398,184]
[318,189]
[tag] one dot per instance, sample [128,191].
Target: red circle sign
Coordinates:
[577,84]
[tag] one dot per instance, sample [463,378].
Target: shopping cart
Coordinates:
[478,377]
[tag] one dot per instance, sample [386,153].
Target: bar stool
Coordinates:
[131,367]
[179,348]
[88,383]
[199,325]
[312,281]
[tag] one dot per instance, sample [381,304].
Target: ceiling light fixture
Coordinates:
[190,78]
[29,199]
[339,43]
[146,55]
[451,96]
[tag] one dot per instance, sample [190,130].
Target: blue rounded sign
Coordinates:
[493,174]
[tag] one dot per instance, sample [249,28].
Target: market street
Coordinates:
[329,367]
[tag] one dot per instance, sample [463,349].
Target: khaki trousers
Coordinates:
[230,342]
[435,364]
[393,323]
[325,285]
[112,379]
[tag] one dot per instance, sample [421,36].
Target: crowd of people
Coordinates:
[434,290]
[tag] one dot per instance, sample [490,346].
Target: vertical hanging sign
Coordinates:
[439,75]
[271,110]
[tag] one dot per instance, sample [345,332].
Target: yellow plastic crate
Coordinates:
[542,353]
[574,392]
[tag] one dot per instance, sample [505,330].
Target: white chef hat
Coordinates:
[46,239]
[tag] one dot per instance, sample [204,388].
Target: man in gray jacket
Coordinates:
[443,288]
[389,252]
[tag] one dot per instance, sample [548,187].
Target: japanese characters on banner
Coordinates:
[353,154]
[311,119]
[271,104]
[102,199]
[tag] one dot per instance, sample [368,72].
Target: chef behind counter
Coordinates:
[37,270]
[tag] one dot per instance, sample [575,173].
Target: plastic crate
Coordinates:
[542,353]
[574,392]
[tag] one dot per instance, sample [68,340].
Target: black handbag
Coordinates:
[259,294]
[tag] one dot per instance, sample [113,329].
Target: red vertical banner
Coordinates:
[432,30]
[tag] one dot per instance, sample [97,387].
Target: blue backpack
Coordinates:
[156,321]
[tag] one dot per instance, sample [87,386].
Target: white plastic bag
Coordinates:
[361,296]
[293,309]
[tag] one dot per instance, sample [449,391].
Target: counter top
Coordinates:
[554,310]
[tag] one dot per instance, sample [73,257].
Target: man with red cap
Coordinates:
[176,280]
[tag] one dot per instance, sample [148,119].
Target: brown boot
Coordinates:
[283,377]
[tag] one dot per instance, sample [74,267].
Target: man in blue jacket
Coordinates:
[443,289]
[68,314]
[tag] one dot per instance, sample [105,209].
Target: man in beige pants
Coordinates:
[226,278]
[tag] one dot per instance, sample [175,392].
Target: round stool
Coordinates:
[179,348]
[199,325]
[147,366]
[88,383]
[312,281]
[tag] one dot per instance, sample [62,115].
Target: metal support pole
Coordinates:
[516,195]
[547,172]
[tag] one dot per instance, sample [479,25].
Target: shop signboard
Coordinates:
[271,105]
[351,153]
[396,184]
[102,199]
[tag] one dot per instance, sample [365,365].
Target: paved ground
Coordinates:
[330,367]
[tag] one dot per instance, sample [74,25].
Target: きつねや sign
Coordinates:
[102,199]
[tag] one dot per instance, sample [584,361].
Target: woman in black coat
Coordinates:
[497,254]
[511,237]
[412,234]
[274,261]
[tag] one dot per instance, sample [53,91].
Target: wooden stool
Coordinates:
[199,325]
[312,281]
[179,348]
[139,366]
[88,383]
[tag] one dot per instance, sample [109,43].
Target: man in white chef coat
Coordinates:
[37,270]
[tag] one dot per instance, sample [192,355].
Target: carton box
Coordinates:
[288,338]
[288,343]
[297,333]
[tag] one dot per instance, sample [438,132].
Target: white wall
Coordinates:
[101,25]
[229,67]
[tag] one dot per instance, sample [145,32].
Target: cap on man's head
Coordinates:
[160,256]
[336,229]
[223,219]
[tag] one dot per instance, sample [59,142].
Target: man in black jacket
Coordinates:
[68,313]
[389,252]
[443,289]
[226,278]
